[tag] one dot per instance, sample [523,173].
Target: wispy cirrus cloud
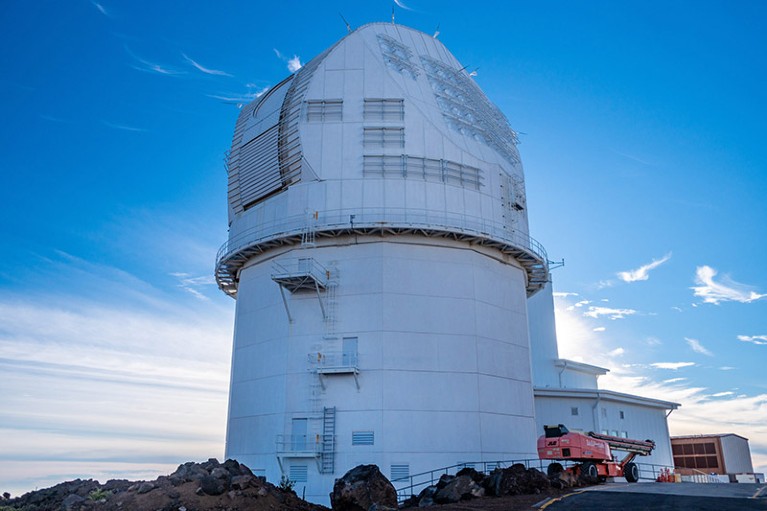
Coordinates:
[760,340]
[206,70]
[402,5]
[52,118]
[82,348]
[643,272]
[239,99]
[99,7]
[141,64]
[563,294]
[596,312]
[123,127]
[726,290]
[672,365]
[697,347]
[193,285]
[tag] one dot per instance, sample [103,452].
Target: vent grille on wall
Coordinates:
[428,169]
[363,437]
[324,110]
[299,473]
[399,471]
[384,138]
[384,110]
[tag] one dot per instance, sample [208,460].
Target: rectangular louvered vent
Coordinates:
[428,169]
[363,437]
[384,138]
[324,110]
[259,167]
[400,471]
[388,110]
[299,473]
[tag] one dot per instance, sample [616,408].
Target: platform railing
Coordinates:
[298,267]
[367,218]
[299,445]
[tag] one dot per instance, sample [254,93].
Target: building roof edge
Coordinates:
[605,394]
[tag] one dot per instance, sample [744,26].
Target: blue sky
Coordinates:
[642,138]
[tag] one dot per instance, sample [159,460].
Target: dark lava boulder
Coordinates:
[362,487]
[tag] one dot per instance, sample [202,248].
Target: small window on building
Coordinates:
[614,432]
[710,448]
[622,414]
[574,410]
[363,438]
[699,449]
[624,434]
[605,432]
[712,462]
[687,449]
[299,473]
[379,138]
[324,110]
[400,471]
[390,110]
[677,449]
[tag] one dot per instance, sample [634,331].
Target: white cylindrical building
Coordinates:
[380,257]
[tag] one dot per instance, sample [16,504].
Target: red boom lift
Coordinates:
[592,452]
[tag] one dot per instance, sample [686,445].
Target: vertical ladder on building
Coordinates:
[331,302]
[315,388]
[309,232]
[327,459]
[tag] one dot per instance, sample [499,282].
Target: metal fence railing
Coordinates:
[415,483]
[374,218]
[299,445]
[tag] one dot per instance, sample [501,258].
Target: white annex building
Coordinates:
[392,307]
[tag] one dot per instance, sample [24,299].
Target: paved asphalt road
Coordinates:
[665,497]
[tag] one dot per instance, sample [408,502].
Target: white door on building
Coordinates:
[298,434]
[349,352]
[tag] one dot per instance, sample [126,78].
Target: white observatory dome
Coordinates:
[380,257]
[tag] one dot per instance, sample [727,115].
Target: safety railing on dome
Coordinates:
[380,219]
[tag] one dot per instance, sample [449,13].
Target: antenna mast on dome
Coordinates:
[348,27]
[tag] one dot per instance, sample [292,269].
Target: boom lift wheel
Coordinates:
[589,473]
[554,469]
[631,472]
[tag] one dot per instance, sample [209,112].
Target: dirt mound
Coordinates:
[193,486]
